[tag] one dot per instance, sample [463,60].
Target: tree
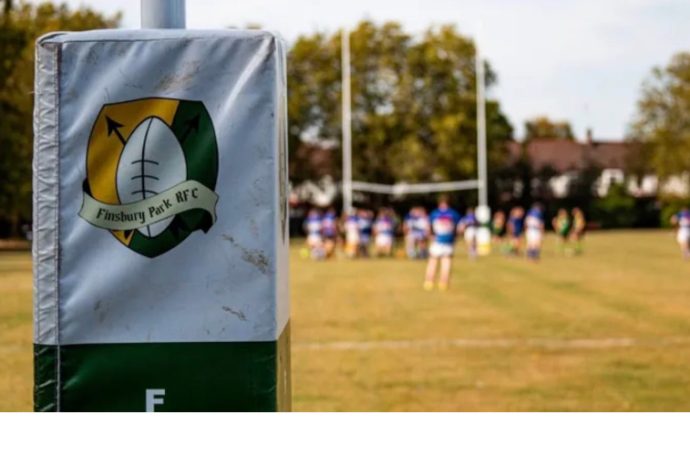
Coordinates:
[413,103]
[662,121]
[544,128]
[20,26]
[313,101]
[616,209]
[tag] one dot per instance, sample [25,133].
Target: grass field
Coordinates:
[606,331]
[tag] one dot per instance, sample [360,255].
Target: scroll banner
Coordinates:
[180,198]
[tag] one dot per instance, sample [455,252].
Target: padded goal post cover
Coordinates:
[160,221]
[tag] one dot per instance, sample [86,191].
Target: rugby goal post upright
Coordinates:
[163,14]
[483,212]
[160,218]
[481,129]
[346,121]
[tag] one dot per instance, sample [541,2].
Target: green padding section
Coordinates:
[202,376]
[45,378]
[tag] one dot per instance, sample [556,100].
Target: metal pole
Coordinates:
[481,131]
[162,14]
[346,123]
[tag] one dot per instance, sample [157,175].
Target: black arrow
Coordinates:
[114,127]
[192,125]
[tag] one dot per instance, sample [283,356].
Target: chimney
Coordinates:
[589,137]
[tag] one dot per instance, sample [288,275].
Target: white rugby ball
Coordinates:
[152,161]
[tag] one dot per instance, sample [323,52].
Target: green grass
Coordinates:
[504,337]
[16,355]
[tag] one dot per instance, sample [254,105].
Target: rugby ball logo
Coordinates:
[152,161]
[152,166]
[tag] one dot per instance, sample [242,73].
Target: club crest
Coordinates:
[151,171]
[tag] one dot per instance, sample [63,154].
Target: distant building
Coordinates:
[568,158]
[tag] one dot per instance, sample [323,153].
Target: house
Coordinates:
[569,158]
[315,165]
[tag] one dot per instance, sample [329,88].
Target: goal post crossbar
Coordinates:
[403,188]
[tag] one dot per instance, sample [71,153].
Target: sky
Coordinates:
[577,60]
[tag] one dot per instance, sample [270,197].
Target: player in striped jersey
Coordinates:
[329,231]
[516,226]
[312,225]
[417,229]
[384,231]
[534,223]
[468,226]
[351,229]
[365,219]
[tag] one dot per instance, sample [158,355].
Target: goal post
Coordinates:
[348,185]
[398,189]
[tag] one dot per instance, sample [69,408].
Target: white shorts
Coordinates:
[470,234]
[533,237]
[683,236]
[438,250]
[313,240]
[352,237]
[384,240]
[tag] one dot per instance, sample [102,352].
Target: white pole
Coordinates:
[481,130]
[162,14]
[346,123]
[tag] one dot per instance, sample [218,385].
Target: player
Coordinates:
[561,225]
[416,228]
[422,230]
[515,228]
[365,220]
[534,233]
[408,230]
[444,223]
[384,231]
[682,219]
[498,226]
[498,230]
[312,225]
[422,233]
[468,227]
[329,231]
[351,229]
[577,232]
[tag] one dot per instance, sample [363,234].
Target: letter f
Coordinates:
[154,397]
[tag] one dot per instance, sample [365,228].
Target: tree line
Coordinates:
[20,25]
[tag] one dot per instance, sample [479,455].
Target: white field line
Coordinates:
[553,344]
